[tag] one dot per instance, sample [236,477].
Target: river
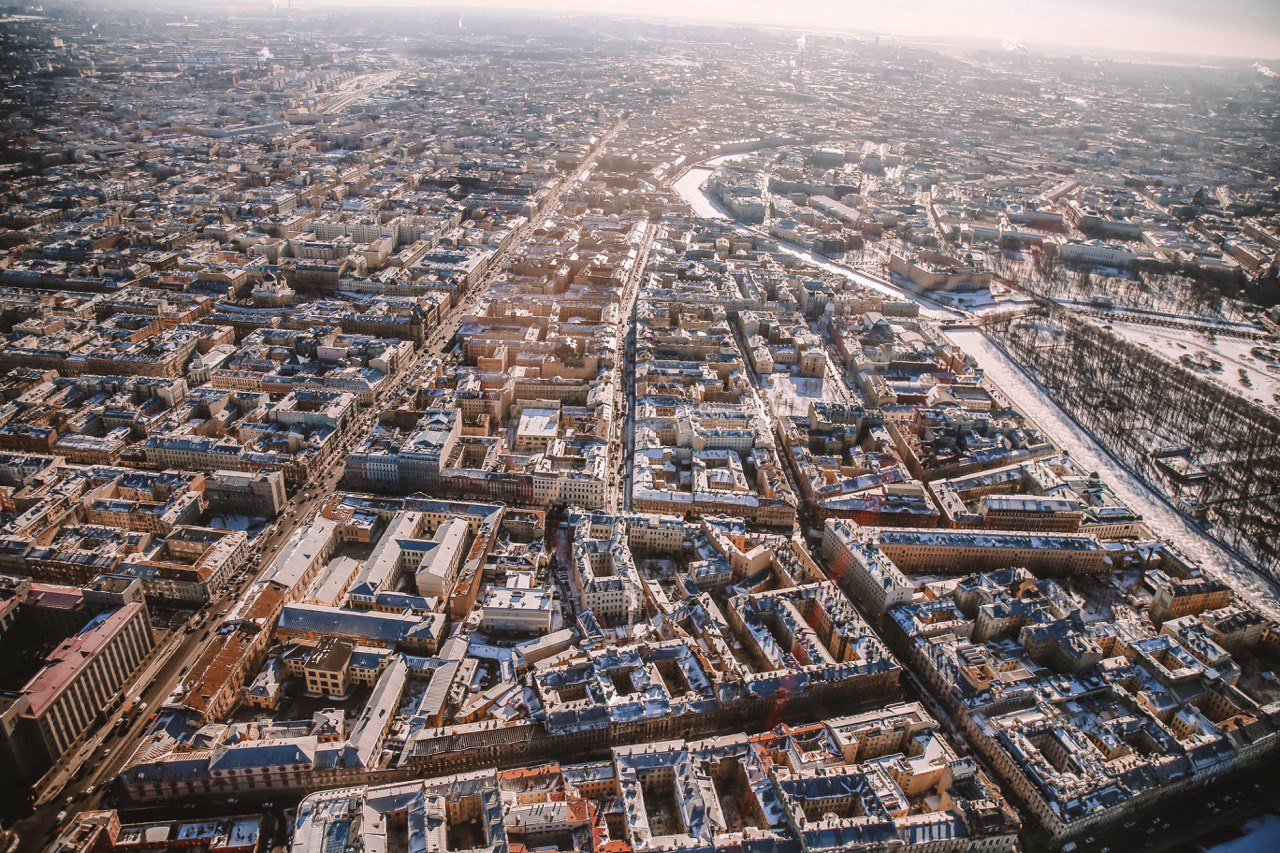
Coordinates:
[689,186]
[1262,832]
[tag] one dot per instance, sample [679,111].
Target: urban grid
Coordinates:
[516,433]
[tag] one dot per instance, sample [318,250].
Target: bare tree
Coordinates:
[1136,402]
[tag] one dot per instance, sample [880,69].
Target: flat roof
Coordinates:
[539,422]
[71,656]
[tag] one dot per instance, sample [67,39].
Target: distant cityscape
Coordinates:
[423,432]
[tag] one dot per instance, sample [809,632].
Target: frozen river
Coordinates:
[927,308]
[690,189]
[1163,519]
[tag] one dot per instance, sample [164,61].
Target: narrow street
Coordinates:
[70,790]
[619,489]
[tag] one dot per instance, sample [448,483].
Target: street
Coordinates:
[73,788]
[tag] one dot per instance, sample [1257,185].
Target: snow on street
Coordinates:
[1163,519]
[1069,436]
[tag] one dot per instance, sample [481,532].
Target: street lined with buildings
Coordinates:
[461,435]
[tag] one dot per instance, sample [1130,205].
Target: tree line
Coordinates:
[1162,291]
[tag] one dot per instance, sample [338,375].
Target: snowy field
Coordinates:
[1068,436]
[1234,355]
[790,395]
[981,301]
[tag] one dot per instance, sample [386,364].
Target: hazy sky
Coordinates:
[1216,27]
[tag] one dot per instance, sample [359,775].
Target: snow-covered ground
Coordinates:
[690,189]
[981,301]
[791,395]
[1163,519]
[235,522]
[1235,354]
[690,186]
[1069,436]
[1206,319]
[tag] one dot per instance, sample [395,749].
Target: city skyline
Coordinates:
[1234,28]
[474,430]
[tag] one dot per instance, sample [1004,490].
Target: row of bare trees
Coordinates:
[1161,291]
[1137,402]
